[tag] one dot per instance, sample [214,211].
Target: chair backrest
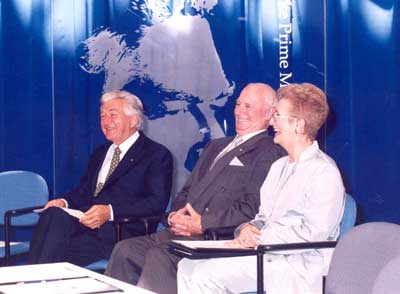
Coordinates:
[19,189]
[360,255]
[388,280]
[349,215]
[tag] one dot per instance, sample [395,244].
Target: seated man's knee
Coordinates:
[155,253]
[121,248]
[54,213]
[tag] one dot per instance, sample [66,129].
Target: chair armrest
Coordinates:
[145,220]
[141,219]
[218,233]
[7,223]
[297,246]
[207,252]
[20,211]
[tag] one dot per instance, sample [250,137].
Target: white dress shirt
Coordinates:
[124,147]
[244,139]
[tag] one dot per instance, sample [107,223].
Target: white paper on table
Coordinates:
[221,244]
[62,286]
[36,272]
[74,212]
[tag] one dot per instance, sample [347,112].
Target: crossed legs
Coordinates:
[146,262]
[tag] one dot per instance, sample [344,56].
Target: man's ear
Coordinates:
[134,121]
[269,113]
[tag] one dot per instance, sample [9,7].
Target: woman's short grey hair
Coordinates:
[132,105]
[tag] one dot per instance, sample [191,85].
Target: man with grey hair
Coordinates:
[129,176]
[223,190]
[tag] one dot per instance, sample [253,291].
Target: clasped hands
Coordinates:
[95,217]
[185,221]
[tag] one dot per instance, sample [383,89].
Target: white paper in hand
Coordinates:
[73,212]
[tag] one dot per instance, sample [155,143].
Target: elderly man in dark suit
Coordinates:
[129,176]
[223,190]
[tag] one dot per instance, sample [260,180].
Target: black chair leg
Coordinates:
[260,272]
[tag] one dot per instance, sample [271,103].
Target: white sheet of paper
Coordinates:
[203,244]
[74,212]
[37,272]
[60,278]
[70,286]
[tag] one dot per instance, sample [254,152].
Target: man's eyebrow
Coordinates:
[111,109]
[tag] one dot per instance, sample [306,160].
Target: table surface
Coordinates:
[59,278]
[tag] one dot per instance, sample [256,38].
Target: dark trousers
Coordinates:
[146,262]
[60,237]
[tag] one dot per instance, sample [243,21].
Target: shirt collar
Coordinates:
[124,146]
[251,135]
[310,151]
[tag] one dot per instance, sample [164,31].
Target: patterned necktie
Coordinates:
[233,144]
[113,166]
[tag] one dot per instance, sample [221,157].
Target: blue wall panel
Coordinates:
[362,81]
[26,125]
[50,88]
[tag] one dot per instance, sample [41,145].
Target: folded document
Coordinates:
[74,212]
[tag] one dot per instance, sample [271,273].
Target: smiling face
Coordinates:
[284,124]
[115,124]
[252,112]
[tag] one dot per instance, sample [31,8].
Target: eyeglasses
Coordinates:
[277,115]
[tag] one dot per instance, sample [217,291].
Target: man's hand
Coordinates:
[55,202]
[186,222]
[178,221]
[248,238]
[96,216]
[195,221]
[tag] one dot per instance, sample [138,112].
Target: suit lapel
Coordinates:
[99,162]
[207,162]
[132,156]
[224,161]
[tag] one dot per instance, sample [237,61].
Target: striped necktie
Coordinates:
[113,166]
[233,144]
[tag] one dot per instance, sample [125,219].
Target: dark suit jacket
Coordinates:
[229,194]
[139,186]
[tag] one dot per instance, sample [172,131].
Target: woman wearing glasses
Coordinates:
[302,200]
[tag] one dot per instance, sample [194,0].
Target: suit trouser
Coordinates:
[60,237]
[145,261]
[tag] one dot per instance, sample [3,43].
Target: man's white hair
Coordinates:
[132,105]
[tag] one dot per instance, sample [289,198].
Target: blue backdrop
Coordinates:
[188,61]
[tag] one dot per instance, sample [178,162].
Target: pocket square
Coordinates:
[236,162]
